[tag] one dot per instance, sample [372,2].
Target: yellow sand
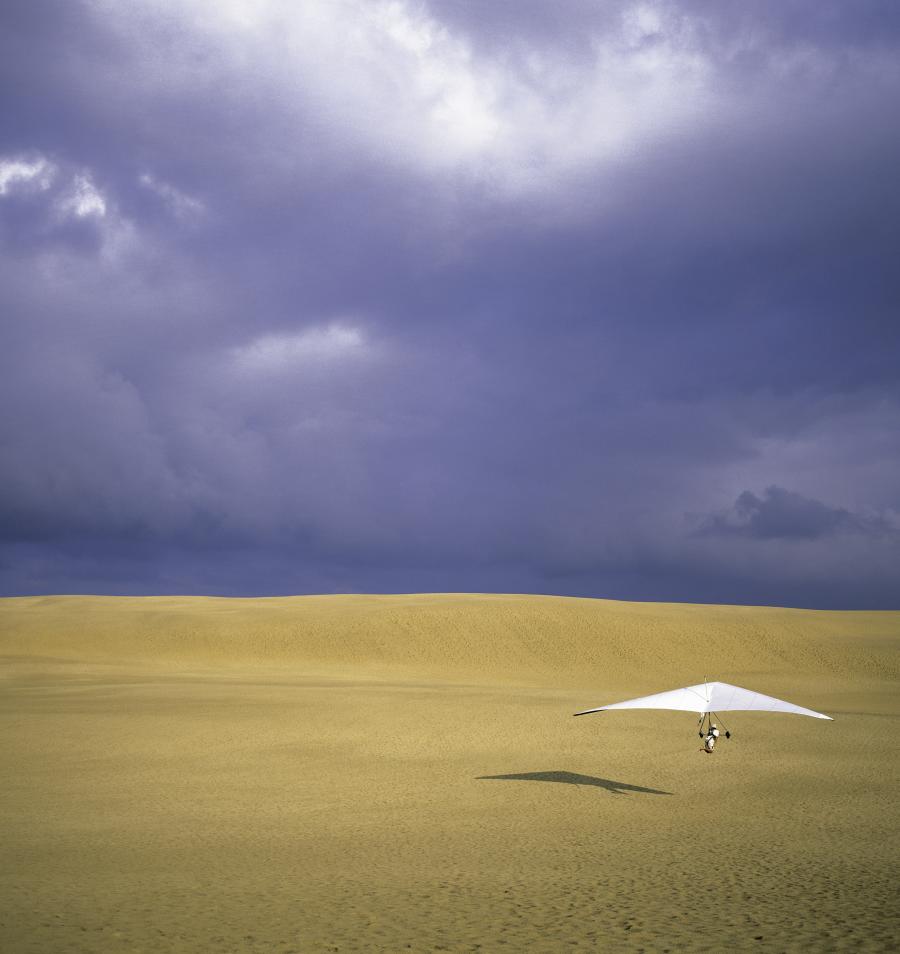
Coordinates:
[394,773]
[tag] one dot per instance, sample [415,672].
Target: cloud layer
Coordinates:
[312,297]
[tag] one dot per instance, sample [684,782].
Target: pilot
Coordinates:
[709,742]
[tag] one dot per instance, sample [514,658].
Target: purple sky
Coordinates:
[554,296]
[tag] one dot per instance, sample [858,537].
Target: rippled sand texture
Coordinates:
[403,773]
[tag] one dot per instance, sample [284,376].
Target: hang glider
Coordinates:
[710,697]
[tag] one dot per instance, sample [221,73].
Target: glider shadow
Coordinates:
[571,778]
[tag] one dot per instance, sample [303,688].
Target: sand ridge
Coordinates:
[476,635]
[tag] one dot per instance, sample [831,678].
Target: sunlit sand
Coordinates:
[363,773]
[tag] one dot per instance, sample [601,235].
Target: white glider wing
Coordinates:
[710,697]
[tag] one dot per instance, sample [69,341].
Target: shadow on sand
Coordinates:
[570,778]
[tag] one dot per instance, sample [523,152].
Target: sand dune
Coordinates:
[474,635]
[393,773]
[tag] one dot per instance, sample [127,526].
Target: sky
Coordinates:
[545,296]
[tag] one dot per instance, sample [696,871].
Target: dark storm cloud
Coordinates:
[782,514]
[451,297]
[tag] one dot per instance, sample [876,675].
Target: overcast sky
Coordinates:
[552,296]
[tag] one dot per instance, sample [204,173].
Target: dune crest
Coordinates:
[462,635]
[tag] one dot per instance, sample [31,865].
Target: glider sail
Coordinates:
[710,697]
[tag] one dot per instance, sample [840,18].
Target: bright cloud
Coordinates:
[15,172]
[75,193]
[276,352]
[84,198]
[180,203]
[396,81]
